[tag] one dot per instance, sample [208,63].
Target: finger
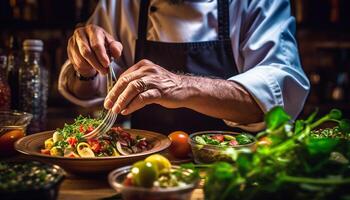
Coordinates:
[115,48]
[138,65]
[79,63]
[85,50]
[131,91]
[122,83]
[97,40]
[141,100]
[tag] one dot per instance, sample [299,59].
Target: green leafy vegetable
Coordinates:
[300,162]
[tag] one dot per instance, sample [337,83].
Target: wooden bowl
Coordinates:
[32,144]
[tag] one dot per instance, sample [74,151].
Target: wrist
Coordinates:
[190,89]
[86,77]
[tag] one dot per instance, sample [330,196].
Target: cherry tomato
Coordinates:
[7,141]
[218,137]
[72,141]
[233,143]
[179,148]
[89,129]
[81,129]
[128,180]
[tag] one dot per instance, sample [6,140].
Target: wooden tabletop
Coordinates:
[82,187]
[90,187]
[77,188]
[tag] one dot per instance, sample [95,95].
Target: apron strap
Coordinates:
[143,18]
[223,19]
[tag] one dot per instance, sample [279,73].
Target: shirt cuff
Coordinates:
[68,73]
[265,90]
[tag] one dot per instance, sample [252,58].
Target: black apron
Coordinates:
[208,58]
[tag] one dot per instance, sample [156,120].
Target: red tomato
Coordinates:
[218,137]
[45,151]
[81,129]
[89,129]
[179,148]
[72,141]
[233,143]
[128,181]
[7,141]
[95,145]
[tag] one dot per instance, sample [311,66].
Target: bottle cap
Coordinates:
[33,45]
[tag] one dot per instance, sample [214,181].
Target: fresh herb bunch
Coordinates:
[291,161]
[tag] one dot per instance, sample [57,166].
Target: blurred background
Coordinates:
[323,28]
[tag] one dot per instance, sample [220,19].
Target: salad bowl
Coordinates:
[213,146]
[32,145]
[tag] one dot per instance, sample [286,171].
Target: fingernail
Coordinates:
[116,109]
[108,104]
[124,112]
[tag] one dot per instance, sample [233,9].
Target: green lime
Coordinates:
[144,173]
[160,161]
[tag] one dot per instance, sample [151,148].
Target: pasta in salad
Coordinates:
[69,141]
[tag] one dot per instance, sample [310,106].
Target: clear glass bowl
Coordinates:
[205,154]
[117,177]
[13,126]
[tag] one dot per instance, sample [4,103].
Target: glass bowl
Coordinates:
[206,154]
[116,178]
[19,185]
[13,125]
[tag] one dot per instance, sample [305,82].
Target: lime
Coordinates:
[160,161]
[144,173]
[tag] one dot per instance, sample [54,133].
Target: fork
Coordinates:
[110,117]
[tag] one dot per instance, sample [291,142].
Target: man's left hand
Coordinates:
[146,83]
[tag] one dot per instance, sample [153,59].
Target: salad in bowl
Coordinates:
[213,146]
[154,178]
[70,142]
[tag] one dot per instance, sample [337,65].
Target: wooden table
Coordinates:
[77,188]
[93,187]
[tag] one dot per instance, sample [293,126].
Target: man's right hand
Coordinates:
[88,50]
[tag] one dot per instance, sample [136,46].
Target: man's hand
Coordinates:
[87,50]
[146,83]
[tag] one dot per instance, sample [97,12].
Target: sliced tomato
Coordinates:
[233,143]
[72,141]
[218,137]
[81,129]
[45,151]
[95,147]
[89,129]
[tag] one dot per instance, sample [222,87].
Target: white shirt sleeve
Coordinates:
[267,55]
[101,18]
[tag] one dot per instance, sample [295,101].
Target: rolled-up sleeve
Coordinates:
[267,58]
[103,16]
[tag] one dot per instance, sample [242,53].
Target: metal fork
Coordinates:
[110,117]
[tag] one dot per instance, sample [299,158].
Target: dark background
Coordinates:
[323,28]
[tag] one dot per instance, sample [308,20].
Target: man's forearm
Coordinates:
[221,99]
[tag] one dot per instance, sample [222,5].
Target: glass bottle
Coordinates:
[12,70]
[5,92]
[33,82]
